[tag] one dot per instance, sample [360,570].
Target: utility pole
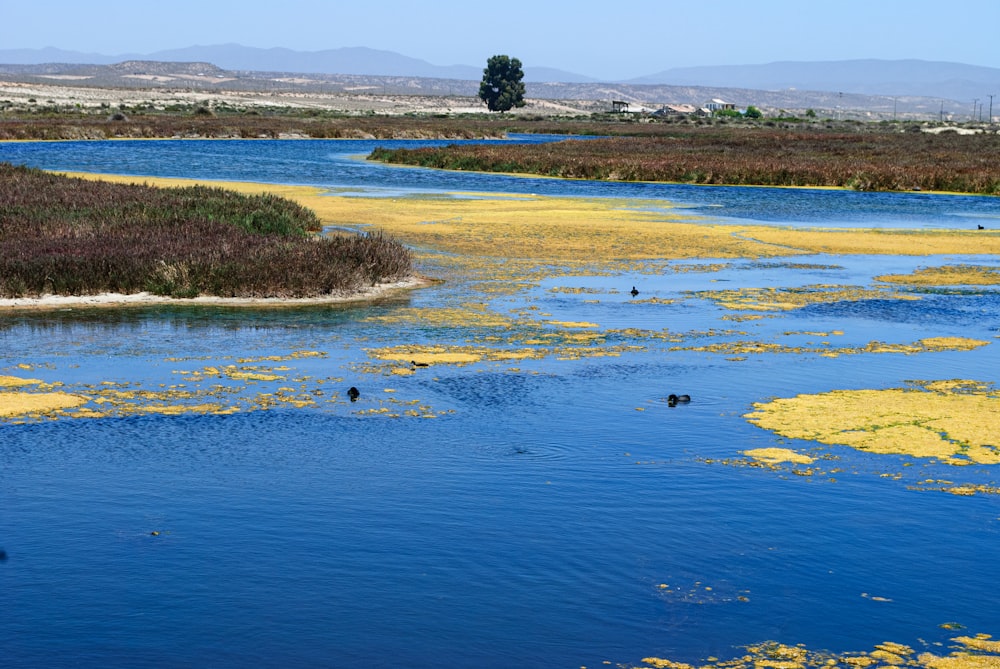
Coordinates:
[975,103]
[991,109]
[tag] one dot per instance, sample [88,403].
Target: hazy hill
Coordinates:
[915,78]
[345,60]
[953,81]
[52,55]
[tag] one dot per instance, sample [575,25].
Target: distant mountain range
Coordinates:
[346,60]
[953,81]
[949,81]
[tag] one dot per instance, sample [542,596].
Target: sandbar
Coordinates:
[62,302]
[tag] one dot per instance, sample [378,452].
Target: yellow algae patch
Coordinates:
[955,427]
[179,409]
[248,188]
[929,344]
[654,300]
[951,343]
[200,394]
[897,649]
[294,355]
[739,318]
[971,653]
[17,382]
[661,663]
[235,373]
[956,386]
[597,229]
[778,656]
[983,642]
[576,291]
[25,404]
[573,324]
[887,657]
[470,315]
[776,455]
[947,275]
[540,227]
[878,241]
[428,355]
[959,660]
[252,376]
[787,299]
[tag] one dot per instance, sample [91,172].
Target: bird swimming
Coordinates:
[418,364]
[981,227]
[674,400]
[634,291]
[353,393]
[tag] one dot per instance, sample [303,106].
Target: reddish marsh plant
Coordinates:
[71,236]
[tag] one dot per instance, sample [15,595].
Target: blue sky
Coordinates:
[609,40]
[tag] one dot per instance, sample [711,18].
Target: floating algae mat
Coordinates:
[33,397]
[250,385]
[599,229]
[956,422]
[26,403]
[829,351]
[967,652]
[947,275]
[784,299]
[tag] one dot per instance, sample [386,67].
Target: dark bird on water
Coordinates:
[353,393]
[634,291]
[981,227]
[418,364]
[674,400]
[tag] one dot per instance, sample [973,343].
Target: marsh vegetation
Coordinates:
[866,161]
[70,236]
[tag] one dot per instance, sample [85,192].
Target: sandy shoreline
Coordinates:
[61,302]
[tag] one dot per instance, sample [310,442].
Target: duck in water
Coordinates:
[634,291]
[674,400]
[353,393]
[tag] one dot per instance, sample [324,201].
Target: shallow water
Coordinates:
[553,512]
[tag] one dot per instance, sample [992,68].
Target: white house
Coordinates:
[719,105]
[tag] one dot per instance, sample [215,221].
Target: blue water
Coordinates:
[532,522]
[337,164]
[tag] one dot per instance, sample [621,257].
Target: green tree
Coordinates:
[502,88]
[753,112]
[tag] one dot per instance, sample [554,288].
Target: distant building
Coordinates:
[622,107]
[676,110]
[719,105]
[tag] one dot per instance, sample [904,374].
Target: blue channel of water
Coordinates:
[559,514]
[337,164]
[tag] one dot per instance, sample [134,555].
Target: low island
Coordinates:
[73,240]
